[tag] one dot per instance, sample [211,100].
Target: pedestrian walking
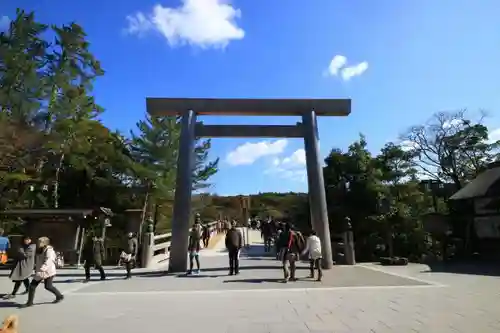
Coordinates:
[129,254]
[194,247]
[45,271]
[23,267]
[93,254]
[234,243]
[313,248]
[267,235]
[292,249]
[206,235]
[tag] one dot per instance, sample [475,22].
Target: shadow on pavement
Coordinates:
[249,268]
[220,269]
[195,276]
[257,280]
[7,304]
[77,280]
[487,269]
[256,250]
[114,273]
[258,258]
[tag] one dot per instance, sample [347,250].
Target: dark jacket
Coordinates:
[94,252]
[290,241]
[281,242]
[25,262]
[267,230]
[132,247]
[206,232]
[234,239]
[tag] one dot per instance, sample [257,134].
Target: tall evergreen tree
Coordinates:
[155,150]
[22,62]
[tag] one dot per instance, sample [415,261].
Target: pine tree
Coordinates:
[155,150]
[22,52]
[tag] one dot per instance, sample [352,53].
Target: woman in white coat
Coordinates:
[313,247]
[45,270]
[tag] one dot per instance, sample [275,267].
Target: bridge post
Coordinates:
[317,195]
[147,251]
[349,252]
[182,204]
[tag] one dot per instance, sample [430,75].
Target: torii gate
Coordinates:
[189,108]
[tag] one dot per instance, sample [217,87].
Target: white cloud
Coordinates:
[203,23]
[295,175]
[248,153]
[493,135]
[292,167]
[407,145]
[4,23]
[298,158]
[352,71]
[138,24]
[452,123]
[338,66]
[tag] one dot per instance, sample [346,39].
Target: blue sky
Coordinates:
[419,57]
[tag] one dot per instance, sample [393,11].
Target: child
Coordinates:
[313,247]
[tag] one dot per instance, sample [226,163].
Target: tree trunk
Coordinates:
[56,183]
[143,217]
[390,243]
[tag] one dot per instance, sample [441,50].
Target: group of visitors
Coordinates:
[224,225]
[290,246]
[38,262]
[42,258]
[93,255]
[201,234]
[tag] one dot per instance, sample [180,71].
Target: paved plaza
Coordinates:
[363,298]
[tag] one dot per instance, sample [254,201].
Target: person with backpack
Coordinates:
[291,252]
[313,248]
[194,247]
[234,243]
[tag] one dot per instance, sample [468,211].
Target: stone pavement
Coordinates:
[365,298]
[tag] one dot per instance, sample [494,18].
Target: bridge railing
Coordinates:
[156,247]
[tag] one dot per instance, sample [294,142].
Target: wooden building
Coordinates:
[66,228]
[483,196]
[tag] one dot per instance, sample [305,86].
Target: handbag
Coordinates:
[125,256]
[3,258]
